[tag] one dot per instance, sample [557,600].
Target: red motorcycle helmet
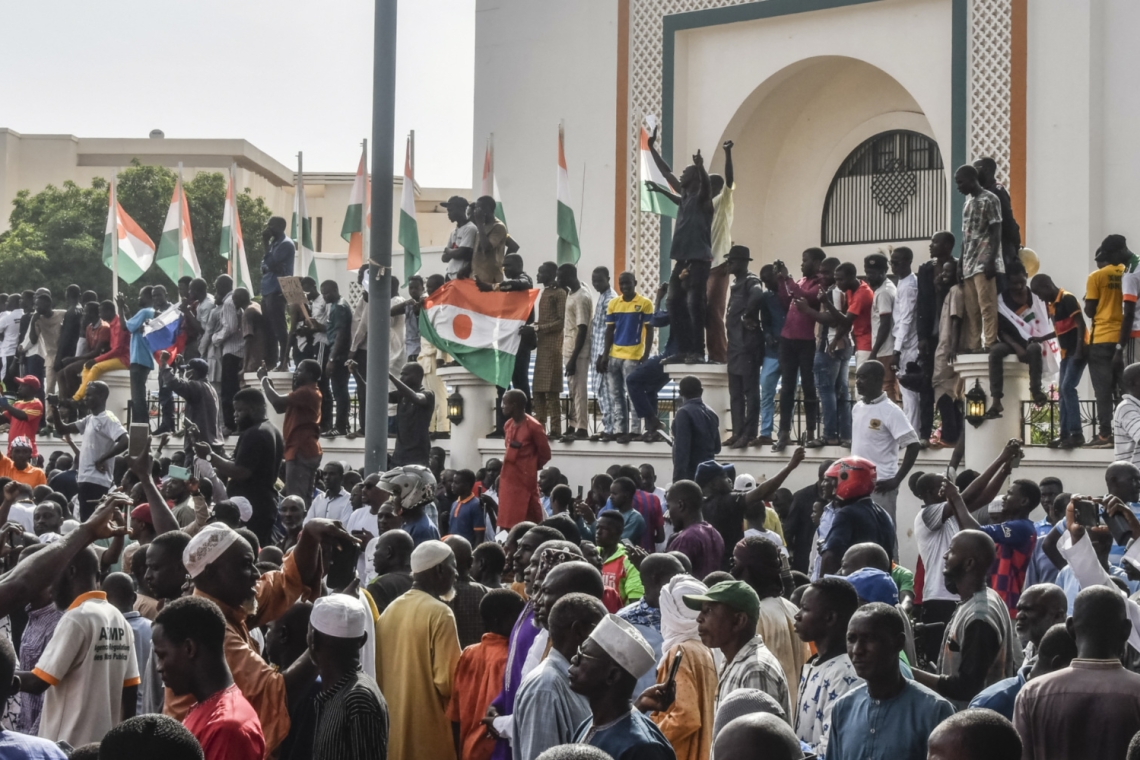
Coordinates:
[854,477]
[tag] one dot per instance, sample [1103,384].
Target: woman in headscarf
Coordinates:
[684,711]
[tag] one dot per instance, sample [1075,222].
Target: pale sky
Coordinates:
[287,75]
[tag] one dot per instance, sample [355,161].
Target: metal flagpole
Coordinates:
[181,211]
[299,188]
[365,211]
[235,265]
[380,246]
[115,241]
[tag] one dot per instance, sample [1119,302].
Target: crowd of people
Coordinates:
[259,600]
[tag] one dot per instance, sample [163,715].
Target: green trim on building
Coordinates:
[753,11]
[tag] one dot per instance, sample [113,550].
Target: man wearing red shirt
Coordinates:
[118,357]
[25,414]
[187,641]
[528,451]
[97,335]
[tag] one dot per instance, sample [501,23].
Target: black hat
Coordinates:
[1114,244]
[455,200]
[739,252]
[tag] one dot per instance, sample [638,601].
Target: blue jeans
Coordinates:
[616,374]
[140,414]
[769,377]
[1072,369]
[834,395]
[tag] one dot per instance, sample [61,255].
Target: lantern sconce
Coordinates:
[976,404]
[455,408]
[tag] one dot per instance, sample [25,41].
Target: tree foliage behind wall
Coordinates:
[56,235]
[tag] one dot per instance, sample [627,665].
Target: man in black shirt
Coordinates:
[799,529]
[252,472]
[415,406]
[726,509]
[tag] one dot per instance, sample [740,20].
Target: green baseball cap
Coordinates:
[736,594]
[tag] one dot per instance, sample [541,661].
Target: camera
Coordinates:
[1090,514]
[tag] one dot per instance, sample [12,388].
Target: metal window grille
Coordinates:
[892,187]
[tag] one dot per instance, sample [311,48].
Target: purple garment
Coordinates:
[702,544]
[797,325]
[522,636]
[37,634]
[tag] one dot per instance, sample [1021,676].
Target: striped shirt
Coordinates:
[1126,430]
[598,325]
[755,667]
[37,633]
[351,721]
[229,335]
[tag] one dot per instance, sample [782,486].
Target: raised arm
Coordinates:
[729,177]
[416,397]
[660,162]
[987,485]
[766,490]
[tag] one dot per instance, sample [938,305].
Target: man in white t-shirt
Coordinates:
[934,526]
[104,438]
[905,328]
[576,351]
[875,267]
[879,429]
[461,242]
[88,669]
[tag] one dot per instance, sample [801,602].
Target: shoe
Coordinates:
[1058,443]
[568,438]
[607,438]
[727,442]
[569,432]
[1040,399]
[815,443]
[845,442]
[624,438]
[582,434]
[651,436]
[781,443]
[1074,441]
[740,443]
[1101,442]
[764,440]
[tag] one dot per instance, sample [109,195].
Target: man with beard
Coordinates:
[418,650]
[221,563]
[252,472]
[302,409]
[165,576]
[978,648]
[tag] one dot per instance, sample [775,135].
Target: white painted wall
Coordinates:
[536,63]
[805,90]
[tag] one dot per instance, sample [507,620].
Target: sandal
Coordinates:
[815,443]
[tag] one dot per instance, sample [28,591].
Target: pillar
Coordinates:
[479,401]
[986,441]
[282,383]
[714,379]
[119,399]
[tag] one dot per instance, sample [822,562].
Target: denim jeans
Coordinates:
[1072,369]
[769,377]
[616,374]
[834,392]
[139,413]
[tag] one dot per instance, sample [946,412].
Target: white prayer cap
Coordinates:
[209,544]
[245,509]
[340,615]
[744,482]
[624,644]
[429,554]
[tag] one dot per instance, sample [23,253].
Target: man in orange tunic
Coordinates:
[528,451]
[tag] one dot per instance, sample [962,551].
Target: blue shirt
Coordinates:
[859,522]
[467,520]
[634,737]
[422,530]
[1041,568]
[278,262]
[1000,696]
[140,349]
[14,746]
[863,728]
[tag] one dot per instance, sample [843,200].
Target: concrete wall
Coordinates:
[1082,152]
[537,63]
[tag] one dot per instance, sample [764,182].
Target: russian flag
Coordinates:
[161,331]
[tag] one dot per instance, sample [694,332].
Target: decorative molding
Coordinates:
[991,66]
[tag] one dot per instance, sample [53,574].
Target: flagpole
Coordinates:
[365,210]
[181,211]
[234,265]
[380,246]
[115,241]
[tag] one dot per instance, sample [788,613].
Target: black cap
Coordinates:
[739,252]
[455,200]
[1114,244]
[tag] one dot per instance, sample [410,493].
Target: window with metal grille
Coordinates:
[892,187]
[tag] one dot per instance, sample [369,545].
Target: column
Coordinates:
[119,399]
[986,441]
[714,379]
[479,401]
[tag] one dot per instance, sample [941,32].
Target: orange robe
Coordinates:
[528,451]
[478,680]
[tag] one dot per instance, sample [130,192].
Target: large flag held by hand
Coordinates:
[481,330]
[176,254]
[568,250]
[409,235]
[232,244]
[127,250]
[359,203]
[651,201]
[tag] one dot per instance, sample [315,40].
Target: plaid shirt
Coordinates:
[755,667]
[598,325]
[38,632]
[1015,541]
[465,607]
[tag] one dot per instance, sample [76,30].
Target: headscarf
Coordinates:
[678,622]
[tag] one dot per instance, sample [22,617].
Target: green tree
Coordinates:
[56,235]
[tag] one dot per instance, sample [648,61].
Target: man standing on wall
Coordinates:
[981,259]
[575,353]
[278,262]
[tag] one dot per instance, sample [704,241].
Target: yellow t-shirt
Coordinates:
[1104,286]
[631,319]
